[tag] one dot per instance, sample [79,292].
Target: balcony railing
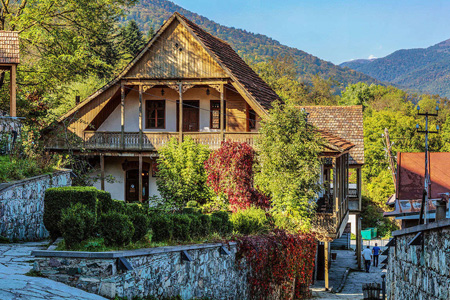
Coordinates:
[133,141]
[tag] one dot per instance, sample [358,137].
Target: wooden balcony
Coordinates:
[149,141]
[330,220]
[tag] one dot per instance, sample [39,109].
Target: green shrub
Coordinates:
[136,208]
[141,225]
[116,228]
[196,226]
[181,227]
[206,224]
[162,227]
[250,221]
[77,224]
[224,226]
[192,204]
[191,210]
[56,199]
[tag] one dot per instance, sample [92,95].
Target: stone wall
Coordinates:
[420,272]
[162,272]
[22,205]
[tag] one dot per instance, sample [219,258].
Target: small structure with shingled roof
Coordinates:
[9,59]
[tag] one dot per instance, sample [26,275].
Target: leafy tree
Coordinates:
[230,171]
[181,173]
[151,33]
[132,38]
[59,41]
[356,94]
[289,165]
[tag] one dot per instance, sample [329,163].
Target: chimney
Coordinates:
[77,100]
[441,207]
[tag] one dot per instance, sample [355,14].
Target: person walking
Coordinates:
[376,254]
[367,256]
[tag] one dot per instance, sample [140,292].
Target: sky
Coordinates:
[335,30]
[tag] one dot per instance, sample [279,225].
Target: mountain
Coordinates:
[423,69]
[254,47]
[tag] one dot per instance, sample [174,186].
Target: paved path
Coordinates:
[353,285]
[15,261]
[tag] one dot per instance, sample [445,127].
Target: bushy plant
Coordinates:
[196,227]
[181,174]
[141,225]
[116,228]
[77,224]
[162,227]
[250,221]
[192,203]
[181,227]
[56,199]
[223,226]
[230,172]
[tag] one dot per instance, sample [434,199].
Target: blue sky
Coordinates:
[335,30]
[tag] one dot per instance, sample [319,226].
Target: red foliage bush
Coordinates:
[281,264]
[230,171]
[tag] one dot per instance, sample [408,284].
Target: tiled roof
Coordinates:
[335,143]
[248,78]
[345,122]
[9,47]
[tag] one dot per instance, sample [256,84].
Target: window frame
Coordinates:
[149,120]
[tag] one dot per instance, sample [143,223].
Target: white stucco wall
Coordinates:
[113,167]
[113,122]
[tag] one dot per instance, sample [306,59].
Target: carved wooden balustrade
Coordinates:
[133,141]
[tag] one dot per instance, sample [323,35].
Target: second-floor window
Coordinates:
[155,114]
[251,119]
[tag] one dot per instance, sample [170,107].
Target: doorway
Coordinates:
[132,185]
[191,116]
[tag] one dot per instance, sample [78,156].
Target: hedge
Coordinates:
[116,228]
[56,199]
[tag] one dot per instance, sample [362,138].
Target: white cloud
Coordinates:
[371,56]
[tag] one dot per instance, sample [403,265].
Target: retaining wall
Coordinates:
[421,271]
[22,205]
[208,270]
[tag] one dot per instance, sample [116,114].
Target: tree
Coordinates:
[230,171]
[132,38]
[181,173]
[59,41]
[151,33]
[289,165]
[356,94]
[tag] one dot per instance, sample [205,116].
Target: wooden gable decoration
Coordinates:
[176,53]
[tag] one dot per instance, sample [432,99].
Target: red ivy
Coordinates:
[230,171]
[281,264]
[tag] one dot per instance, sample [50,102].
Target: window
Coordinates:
[251,119]
[155,114]
[215,114]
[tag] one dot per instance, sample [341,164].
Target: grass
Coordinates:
[34,273]
[13,168]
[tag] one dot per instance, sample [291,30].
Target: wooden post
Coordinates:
[222,116]
[102,172]
[140,116]
[335,185]
[358,239]
[326,257]
[359,186]
[12,92]
[122,114]
[140,178]
[180,91]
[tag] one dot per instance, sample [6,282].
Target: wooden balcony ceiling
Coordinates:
[345,122]
[9,47]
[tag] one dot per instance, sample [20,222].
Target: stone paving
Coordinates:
[353,284]
[15,261]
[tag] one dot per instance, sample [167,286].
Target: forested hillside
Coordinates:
[150,14]
[424,70]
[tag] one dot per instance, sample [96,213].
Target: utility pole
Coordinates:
[390,157]
[426,190]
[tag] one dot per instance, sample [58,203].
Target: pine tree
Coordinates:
[133,39]
[151,33]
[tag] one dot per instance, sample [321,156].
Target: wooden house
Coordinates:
[185,82]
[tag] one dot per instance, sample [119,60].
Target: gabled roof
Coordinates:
[9,47]
[344,122]
[245,79]
[229,59]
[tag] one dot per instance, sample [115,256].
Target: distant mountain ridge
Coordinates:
[251,46]
[422,69]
